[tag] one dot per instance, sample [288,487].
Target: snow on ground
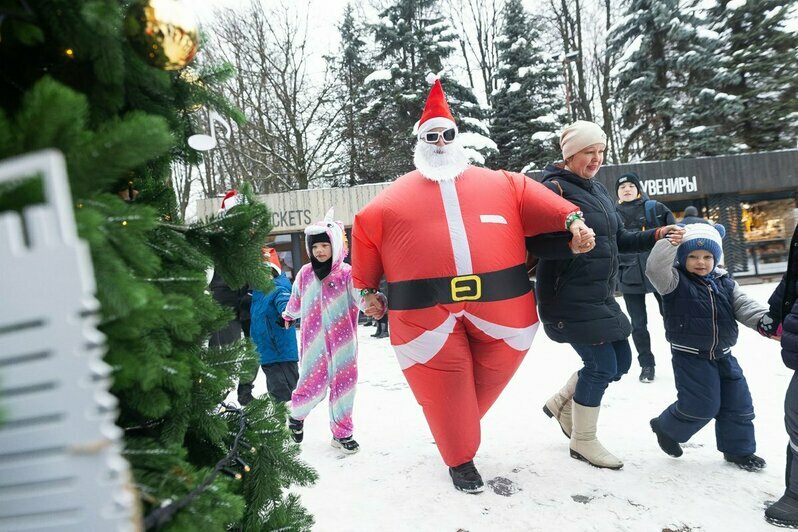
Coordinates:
[398,482]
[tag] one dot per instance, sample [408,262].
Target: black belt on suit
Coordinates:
[492,286]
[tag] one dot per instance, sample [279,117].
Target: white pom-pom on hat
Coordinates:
[430,78]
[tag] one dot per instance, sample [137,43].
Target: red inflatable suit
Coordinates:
[462,313]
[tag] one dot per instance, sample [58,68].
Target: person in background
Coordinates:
[691,217]
[382,323]
[781,324]
[639,213]
[238,301]
[702,306]
[276,345]
[323,296]
[576,295]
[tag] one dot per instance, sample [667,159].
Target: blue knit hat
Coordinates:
[702,236]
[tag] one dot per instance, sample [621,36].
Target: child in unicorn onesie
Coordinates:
[323,296]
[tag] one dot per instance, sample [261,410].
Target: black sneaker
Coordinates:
[670,446]
[466,478]
[647,374]
[749,462]
[784,512]
[296,428]
[348,445]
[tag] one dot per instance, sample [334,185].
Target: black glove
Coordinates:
[281,322]
[767,326]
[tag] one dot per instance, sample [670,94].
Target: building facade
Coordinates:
[754,195]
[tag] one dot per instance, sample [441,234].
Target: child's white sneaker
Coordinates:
[348,445]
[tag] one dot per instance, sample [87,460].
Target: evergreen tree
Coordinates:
[413,39]
[664,65]
[72,81]
[757,72]
[353,70]
[527,111]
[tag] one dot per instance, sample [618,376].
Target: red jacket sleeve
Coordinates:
[367,266]
[542,211]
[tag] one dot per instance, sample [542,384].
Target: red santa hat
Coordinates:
[436,110]
[230,200]
[273,258]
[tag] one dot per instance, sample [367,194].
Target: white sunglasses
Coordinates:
[432,137]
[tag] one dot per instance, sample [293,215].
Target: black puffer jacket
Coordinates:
[632,268]
[575,295]
[784,307]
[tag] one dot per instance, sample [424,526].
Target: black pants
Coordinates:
[281,379]
[636,307]
[791,422]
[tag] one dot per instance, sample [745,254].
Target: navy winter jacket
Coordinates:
[784,307]
[274,343]
[632,267]
[699,316]
[576,293]
[701,313]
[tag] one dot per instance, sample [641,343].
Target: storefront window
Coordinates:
[767,227]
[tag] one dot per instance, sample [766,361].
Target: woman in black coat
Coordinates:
[575,294]
[782,321]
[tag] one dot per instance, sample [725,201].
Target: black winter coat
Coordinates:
[576,293]
[632,268]
[239,301]
[784,307]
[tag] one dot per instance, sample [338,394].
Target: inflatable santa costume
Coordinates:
[449,239]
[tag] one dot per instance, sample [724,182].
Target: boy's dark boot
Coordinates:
[465,477]
[784,512]
[670,446]
[749,462]
[647,374]
[245,393]
[296,428]
[378,331]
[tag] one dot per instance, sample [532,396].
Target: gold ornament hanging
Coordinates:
[164,32]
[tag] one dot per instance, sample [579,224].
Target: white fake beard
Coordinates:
[440,163]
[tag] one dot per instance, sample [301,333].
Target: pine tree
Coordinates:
[757,72]
[527,111]
[353,70]
[664,64]
[413,39]
[72,81]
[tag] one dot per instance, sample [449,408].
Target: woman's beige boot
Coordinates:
[584,445]
[559,405]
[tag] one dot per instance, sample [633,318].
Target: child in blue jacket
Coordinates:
[701,307]
[276,345]
[782,323]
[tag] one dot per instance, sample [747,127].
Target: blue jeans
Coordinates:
[706,390]
[604,363]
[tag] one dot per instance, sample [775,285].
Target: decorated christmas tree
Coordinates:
[106,82]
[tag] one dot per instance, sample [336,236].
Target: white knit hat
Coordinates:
[579,135]
[708,237]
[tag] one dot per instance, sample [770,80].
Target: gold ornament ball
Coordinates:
[164,32]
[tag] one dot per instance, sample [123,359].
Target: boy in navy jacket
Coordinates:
[701,306]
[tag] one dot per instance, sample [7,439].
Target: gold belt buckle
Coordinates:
[470,286]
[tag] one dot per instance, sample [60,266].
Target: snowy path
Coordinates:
[398,481]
